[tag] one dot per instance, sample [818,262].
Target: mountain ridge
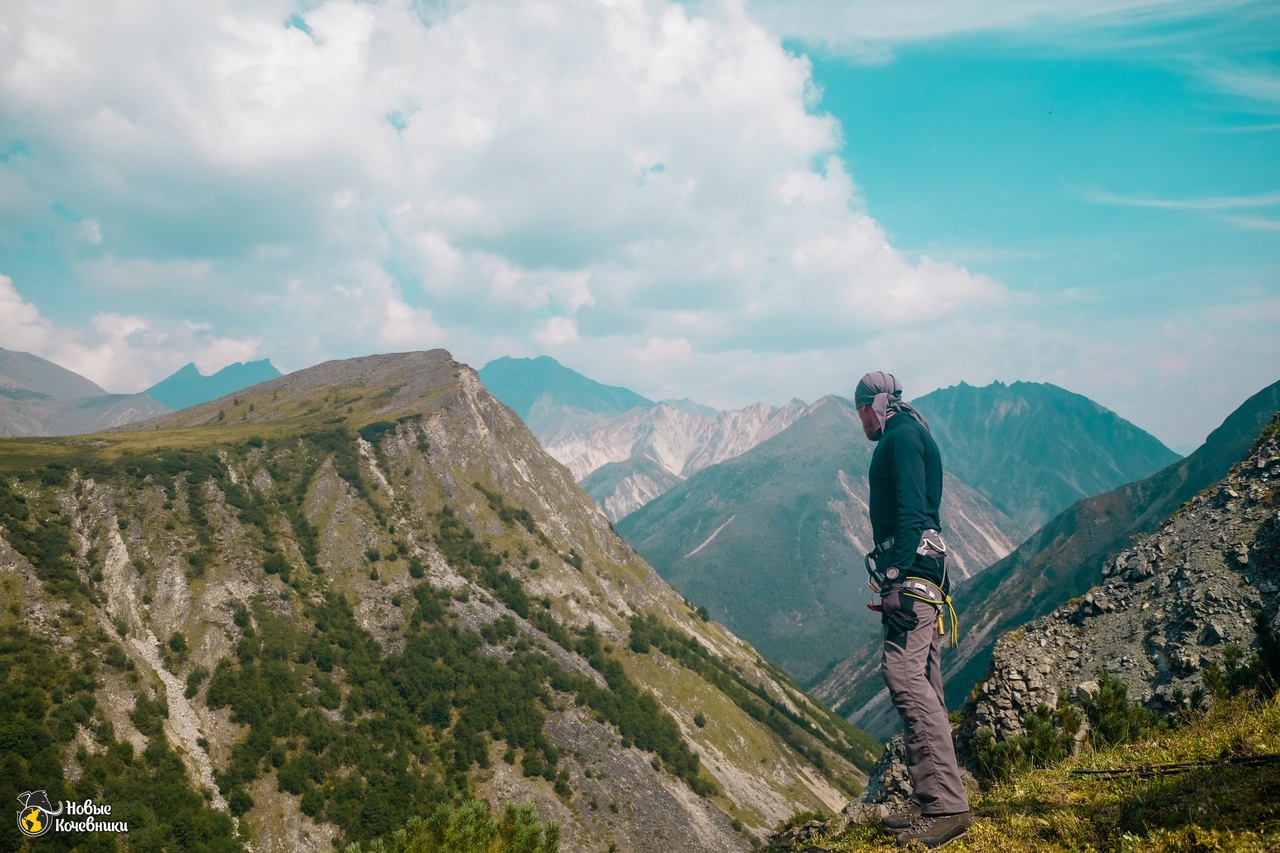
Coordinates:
[188,386]
[1033,448]
[343,529]
[1061,560]
[39,397]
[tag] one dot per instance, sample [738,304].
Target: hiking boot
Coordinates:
[903,818]
[936,830]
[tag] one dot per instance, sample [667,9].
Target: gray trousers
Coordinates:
[913,673]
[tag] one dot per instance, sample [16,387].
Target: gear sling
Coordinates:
[931,548]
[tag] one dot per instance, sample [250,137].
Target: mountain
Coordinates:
[627,461]
[545,394]
[1166,606]
[620,488]
[22,371]
[624,449]
[771,542]
[1033,449]
[1061,560]
[188,386]
[344,596]
[37,397]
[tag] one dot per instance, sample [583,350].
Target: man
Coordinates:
[910,571]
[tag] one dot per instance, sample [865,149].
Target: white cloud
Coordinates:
[557,332]
[646,189]
[1208,203]
[1256,84]
[629,167]
[869,29]
[123,353]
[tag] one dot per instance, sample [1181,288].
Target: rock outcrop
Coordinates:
[1167,605]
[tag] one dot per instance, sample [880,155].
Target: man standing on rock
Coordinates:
[909,568]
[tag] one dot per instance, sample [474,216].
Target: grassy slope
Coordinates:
[1228,807]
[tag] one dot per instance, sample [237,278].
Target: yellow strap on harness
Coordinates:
[946,600]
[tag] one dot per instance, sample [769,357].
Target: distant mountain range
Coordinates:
[189,387]
[1033,449]
[760,514]
[1061,560]
[37,397]
[622,448]
[771,542]
[546,395]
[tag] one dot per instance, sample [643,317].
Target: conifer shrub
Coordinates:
[1050,733]
[507,513]
[1260,672]
[470,827]
[1113,719]
[1048,739]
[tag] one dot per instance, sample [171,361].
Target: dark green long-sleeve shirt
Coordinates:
[906,492]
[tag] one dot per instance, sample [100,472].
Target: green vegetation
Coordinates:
[835,733]
[509,514]
[470,828]
[1261,672]
[46,696]
[1214,807]
[41,532]
[416,722]
[636,714]
[1049,738]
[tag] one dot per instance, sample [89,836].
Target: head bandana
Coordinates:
[883,394]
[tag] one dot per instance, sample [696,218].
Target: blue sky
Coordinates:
[715,200]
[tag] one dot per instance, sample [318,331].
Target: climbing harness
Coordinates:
[933,548]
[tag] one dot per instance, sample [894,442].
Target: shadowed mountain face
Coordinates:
[350,593]
[1060,561]
[1033,449]
[189,386]
[546,394]
[37,397]
[771,542]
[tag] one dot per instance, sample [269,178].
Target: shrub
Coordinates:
[1261,672]
[471,828]
[1113,719]
[1048,739]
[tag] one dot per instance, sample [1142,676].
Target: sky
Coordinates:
[726,201]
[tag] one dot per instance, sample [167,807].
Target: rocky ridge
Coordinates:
[674,442]
[1166,606]
[425,434]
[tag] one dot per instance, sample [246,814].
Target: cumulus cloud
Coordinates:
[544,175]
[646,189]
[122,353]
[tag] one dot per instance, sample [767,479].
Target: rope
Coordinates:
[1146,771]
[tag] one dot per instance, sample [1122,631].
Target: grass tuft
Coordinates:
[1219,807]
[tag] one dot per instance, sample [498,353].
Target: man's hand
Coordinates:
[897,611]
